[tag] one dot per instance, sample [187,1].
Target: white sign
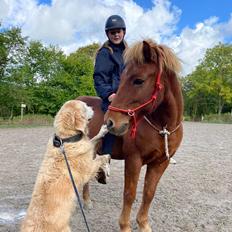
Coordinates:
[23,105]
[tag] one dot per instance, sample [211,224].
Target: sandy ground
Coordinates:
[193,195]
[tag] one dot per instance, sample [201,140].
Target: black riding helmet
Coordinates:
[115,22]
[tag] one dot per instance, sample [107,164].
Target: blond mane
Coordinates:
[166,56]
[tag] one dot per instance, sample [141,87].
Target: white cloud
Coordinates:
[74,23]
[226,28]
[160,21]
[67,22]
[191,45]
[16,12]
[4,8]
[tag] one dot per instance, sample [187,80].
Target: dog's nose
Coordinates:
[109,124]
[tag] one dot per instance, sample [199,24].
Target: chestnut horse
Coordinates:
[146,115]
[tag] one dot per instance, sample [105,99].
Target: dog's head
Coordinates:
[72,118]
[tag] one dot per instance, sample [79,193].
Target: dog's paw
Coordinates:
[103,131]
[104,159]
[88,204]
[107,169]
[107,158]
[172,161]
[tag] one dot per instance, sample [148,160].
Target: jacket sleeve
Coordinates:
[103,72]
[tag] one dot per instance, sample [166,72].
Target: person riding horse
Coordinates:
[108,68]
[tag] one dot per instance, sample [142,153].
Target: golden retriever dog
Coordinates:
[53,197]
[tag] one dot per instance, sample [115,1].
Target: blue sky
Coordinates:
[188,27]
[195,11]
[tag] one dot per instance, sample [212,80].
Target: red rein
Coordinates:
[131,112]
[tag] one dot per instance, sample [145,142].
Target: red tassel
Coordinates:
[133,132]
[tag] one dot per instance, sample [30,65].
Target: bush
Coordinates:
[215,118]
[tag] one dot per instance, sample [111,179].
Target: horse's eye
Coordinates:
[138,82]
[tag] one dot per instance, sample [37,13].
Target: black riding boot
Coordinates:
[107,146]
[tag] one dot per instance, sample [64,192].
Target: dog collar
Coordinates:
[58,142]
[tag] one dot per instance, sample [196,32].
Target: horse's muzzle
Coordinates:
[117,130]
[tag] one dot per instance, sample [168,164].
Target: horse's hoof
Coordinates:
[145,228]
[128,229]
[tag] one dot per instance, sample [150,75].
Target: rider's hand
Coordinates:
[110,98]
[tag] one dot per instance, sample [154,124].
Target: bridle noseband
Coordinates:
[131,112]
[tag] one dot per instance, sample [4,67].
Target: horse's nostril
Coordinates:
[109,124]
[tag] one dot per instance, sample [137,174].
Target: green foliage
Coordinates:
[89,51]
[3,53]
[43,62]
[41,77]
[209,88]
[13,54]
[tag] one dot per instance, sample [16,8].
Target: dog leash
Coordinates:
[58,142]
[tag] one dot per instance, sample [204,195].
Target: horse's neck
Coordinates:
[170,111]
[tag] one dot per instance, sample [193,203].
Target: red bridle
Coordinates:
[131,112]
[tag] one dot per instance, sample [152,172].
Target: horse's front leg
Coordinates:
[132,170]
[153,175]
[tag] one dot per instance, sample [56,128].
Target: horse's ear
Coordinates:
[146,52]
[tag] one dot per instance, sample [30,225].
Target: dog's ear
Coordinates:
[63,121]
[80,122]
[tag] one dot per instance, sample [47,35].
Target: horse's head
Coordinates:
[143,85]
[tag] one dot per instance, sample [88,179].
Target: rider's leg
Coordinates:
[107,144]
[107,147]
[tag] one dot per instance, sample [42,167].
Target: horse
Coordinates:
[146,116]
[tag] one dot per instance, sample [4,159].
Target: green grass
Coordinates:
[213,118]
[28,120]
[31,120]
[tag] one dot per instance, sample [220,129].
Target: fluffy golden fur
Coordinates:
[53,196]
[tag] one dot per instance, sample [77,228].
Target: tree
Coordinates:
[15,51]
[41,76]
[40,66]
[209,87]
[80,65]
[73,78]
[43,62]
[3,52]
[12,53]
[219,66]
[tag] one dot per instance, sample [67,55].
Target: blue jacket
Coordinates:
[108,68]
